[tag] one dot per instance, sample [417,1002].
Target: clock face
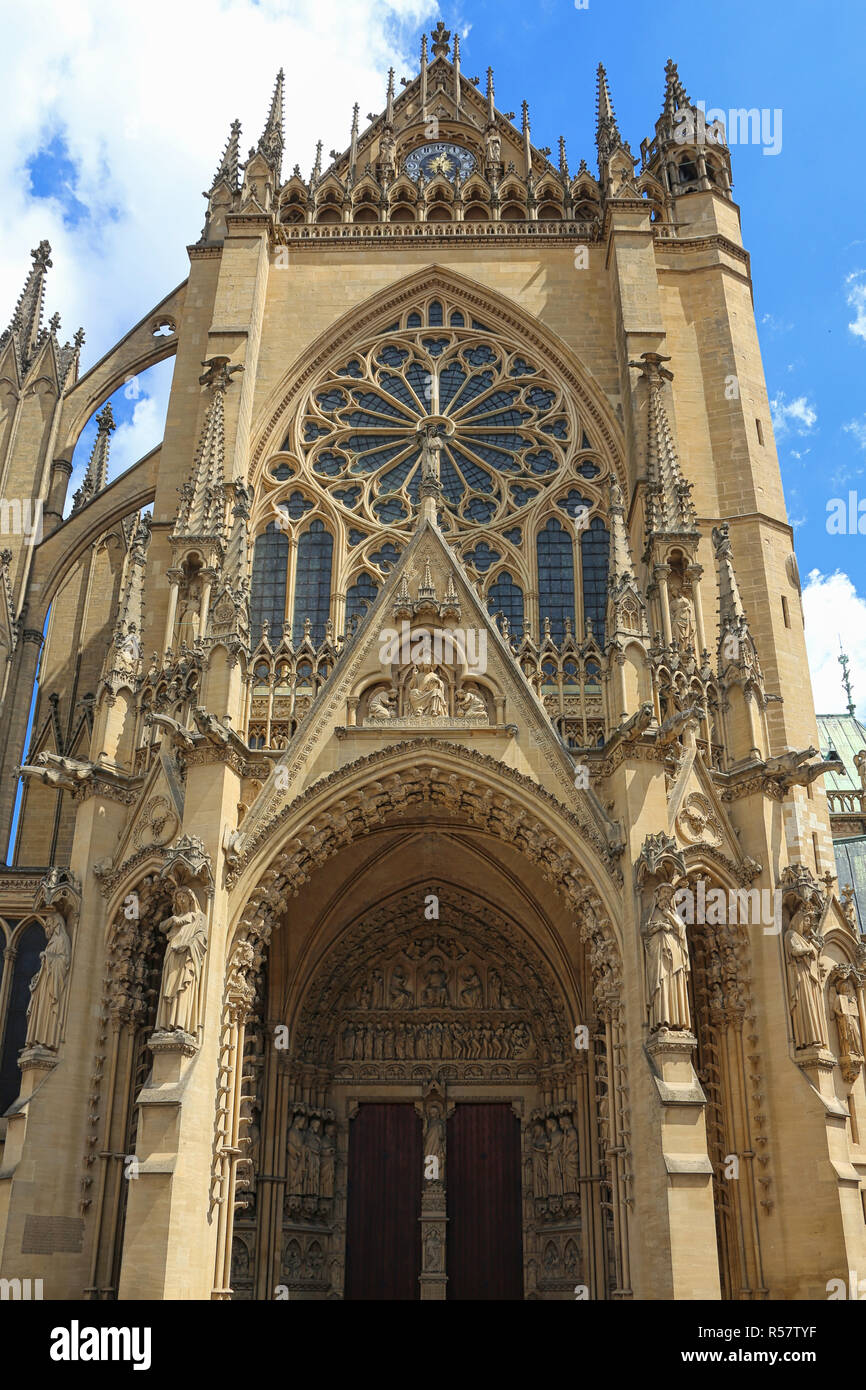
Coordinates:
[439,158]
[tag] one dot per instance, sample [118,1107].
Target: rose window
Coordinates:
[503,424]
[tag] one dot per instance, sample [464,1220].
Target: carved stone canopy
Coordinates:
[660,860]
[61,891]
[188,861]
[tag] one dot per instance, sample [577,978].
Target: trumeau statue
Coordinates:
[180,999]
[667,964]
[48,985]
[804,981]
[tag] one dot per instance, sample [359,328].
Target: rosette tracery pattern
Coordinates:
[506,428]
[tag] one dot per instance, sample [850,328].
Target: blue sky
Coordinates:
[108,155]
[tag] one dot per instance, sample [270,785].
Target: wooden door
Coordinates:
[383,1220]
[485,1228]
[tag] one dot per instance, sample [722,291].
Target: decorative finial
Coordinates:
[441,41]
[846,678]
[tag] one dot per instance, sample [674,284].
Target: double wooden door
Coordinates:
[484,1247]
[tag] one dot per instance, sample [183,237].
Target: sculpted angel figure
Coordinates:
[427,692]
[667,963]
[48,984]
[381,705]
[180,1002]
[469,704]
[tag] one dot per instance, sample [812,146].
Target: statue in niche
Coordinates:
[190,617]
[470,705]
[570,1163]
[847,1014]
[382,705]
[48,985]
[804,980]
[295,1152]
[312,1156]
[130,646]
[555,1185]
[667,964]
[683,620]
[434,1135]
[539,1160]
[427,692]
[180,1001]
[349,1041]
[400,993]
[494,989]
[470,994]
[378,989]
[365,995]
[435,993]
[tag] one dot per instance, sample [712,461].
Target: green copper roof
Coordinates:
[851,868]
[846,734]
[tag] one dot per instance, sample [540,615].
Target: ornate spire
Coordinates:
[670,510]
[491,109]
[563,159]
[353,144]
[738,656]
[96,475]
[527,139]
[26,324]
[122,658]
[676,97]
[227,169]
[389,99]
[201,512]
[423,73]
[317,167]
[607,136]
[457,91]
[272,142]
[626,610]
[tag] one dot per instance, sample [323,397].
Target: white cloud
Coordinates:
[833,609]
[858,429]
[798,414]
[856,282]
[141,97]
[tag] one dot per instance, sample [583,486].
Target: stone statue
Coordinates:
[847,1015]
[48,984]
[434,1135]
[400,994]
[492,146]
[470,994]
[555,1185]
[570,1164]
[682,621]
[130,647]
[435,992]
[427,692]
[494,989]
[188,625]
[180,1002]
[804,981]
[470,705]
[539,1160]
[312,1157]
[328,1162]
[667,964]
[295,1154]
[381,705]
[431,448]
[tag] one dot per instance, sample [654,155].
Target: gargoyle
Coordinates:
[176,731]
[210,726]
[637,724]
[56,771]
[792,768]
[675,723]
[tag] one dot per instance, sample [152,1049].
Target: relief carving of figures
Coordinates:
[539,1160]
[180,999]
[435,992]
[470,994]
[555,1184]
[188,623]
[426,692]
[667,964]
[311,1157]
[328,1165]
[382,705]
[570,1164]
[555,1163]
[401,996]
[48,985]
[804,980]
[846,1012]
[470,705]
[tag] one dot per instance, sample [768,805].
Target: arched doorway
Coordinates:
[435,1126]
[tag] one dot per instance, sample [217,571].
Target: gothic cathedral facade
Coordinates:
[422,883]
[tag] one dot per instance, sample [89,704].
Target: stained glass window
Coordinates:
[360,595]
[506,597]
[594,550]
[268,585]
[555,577]
[313,581]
